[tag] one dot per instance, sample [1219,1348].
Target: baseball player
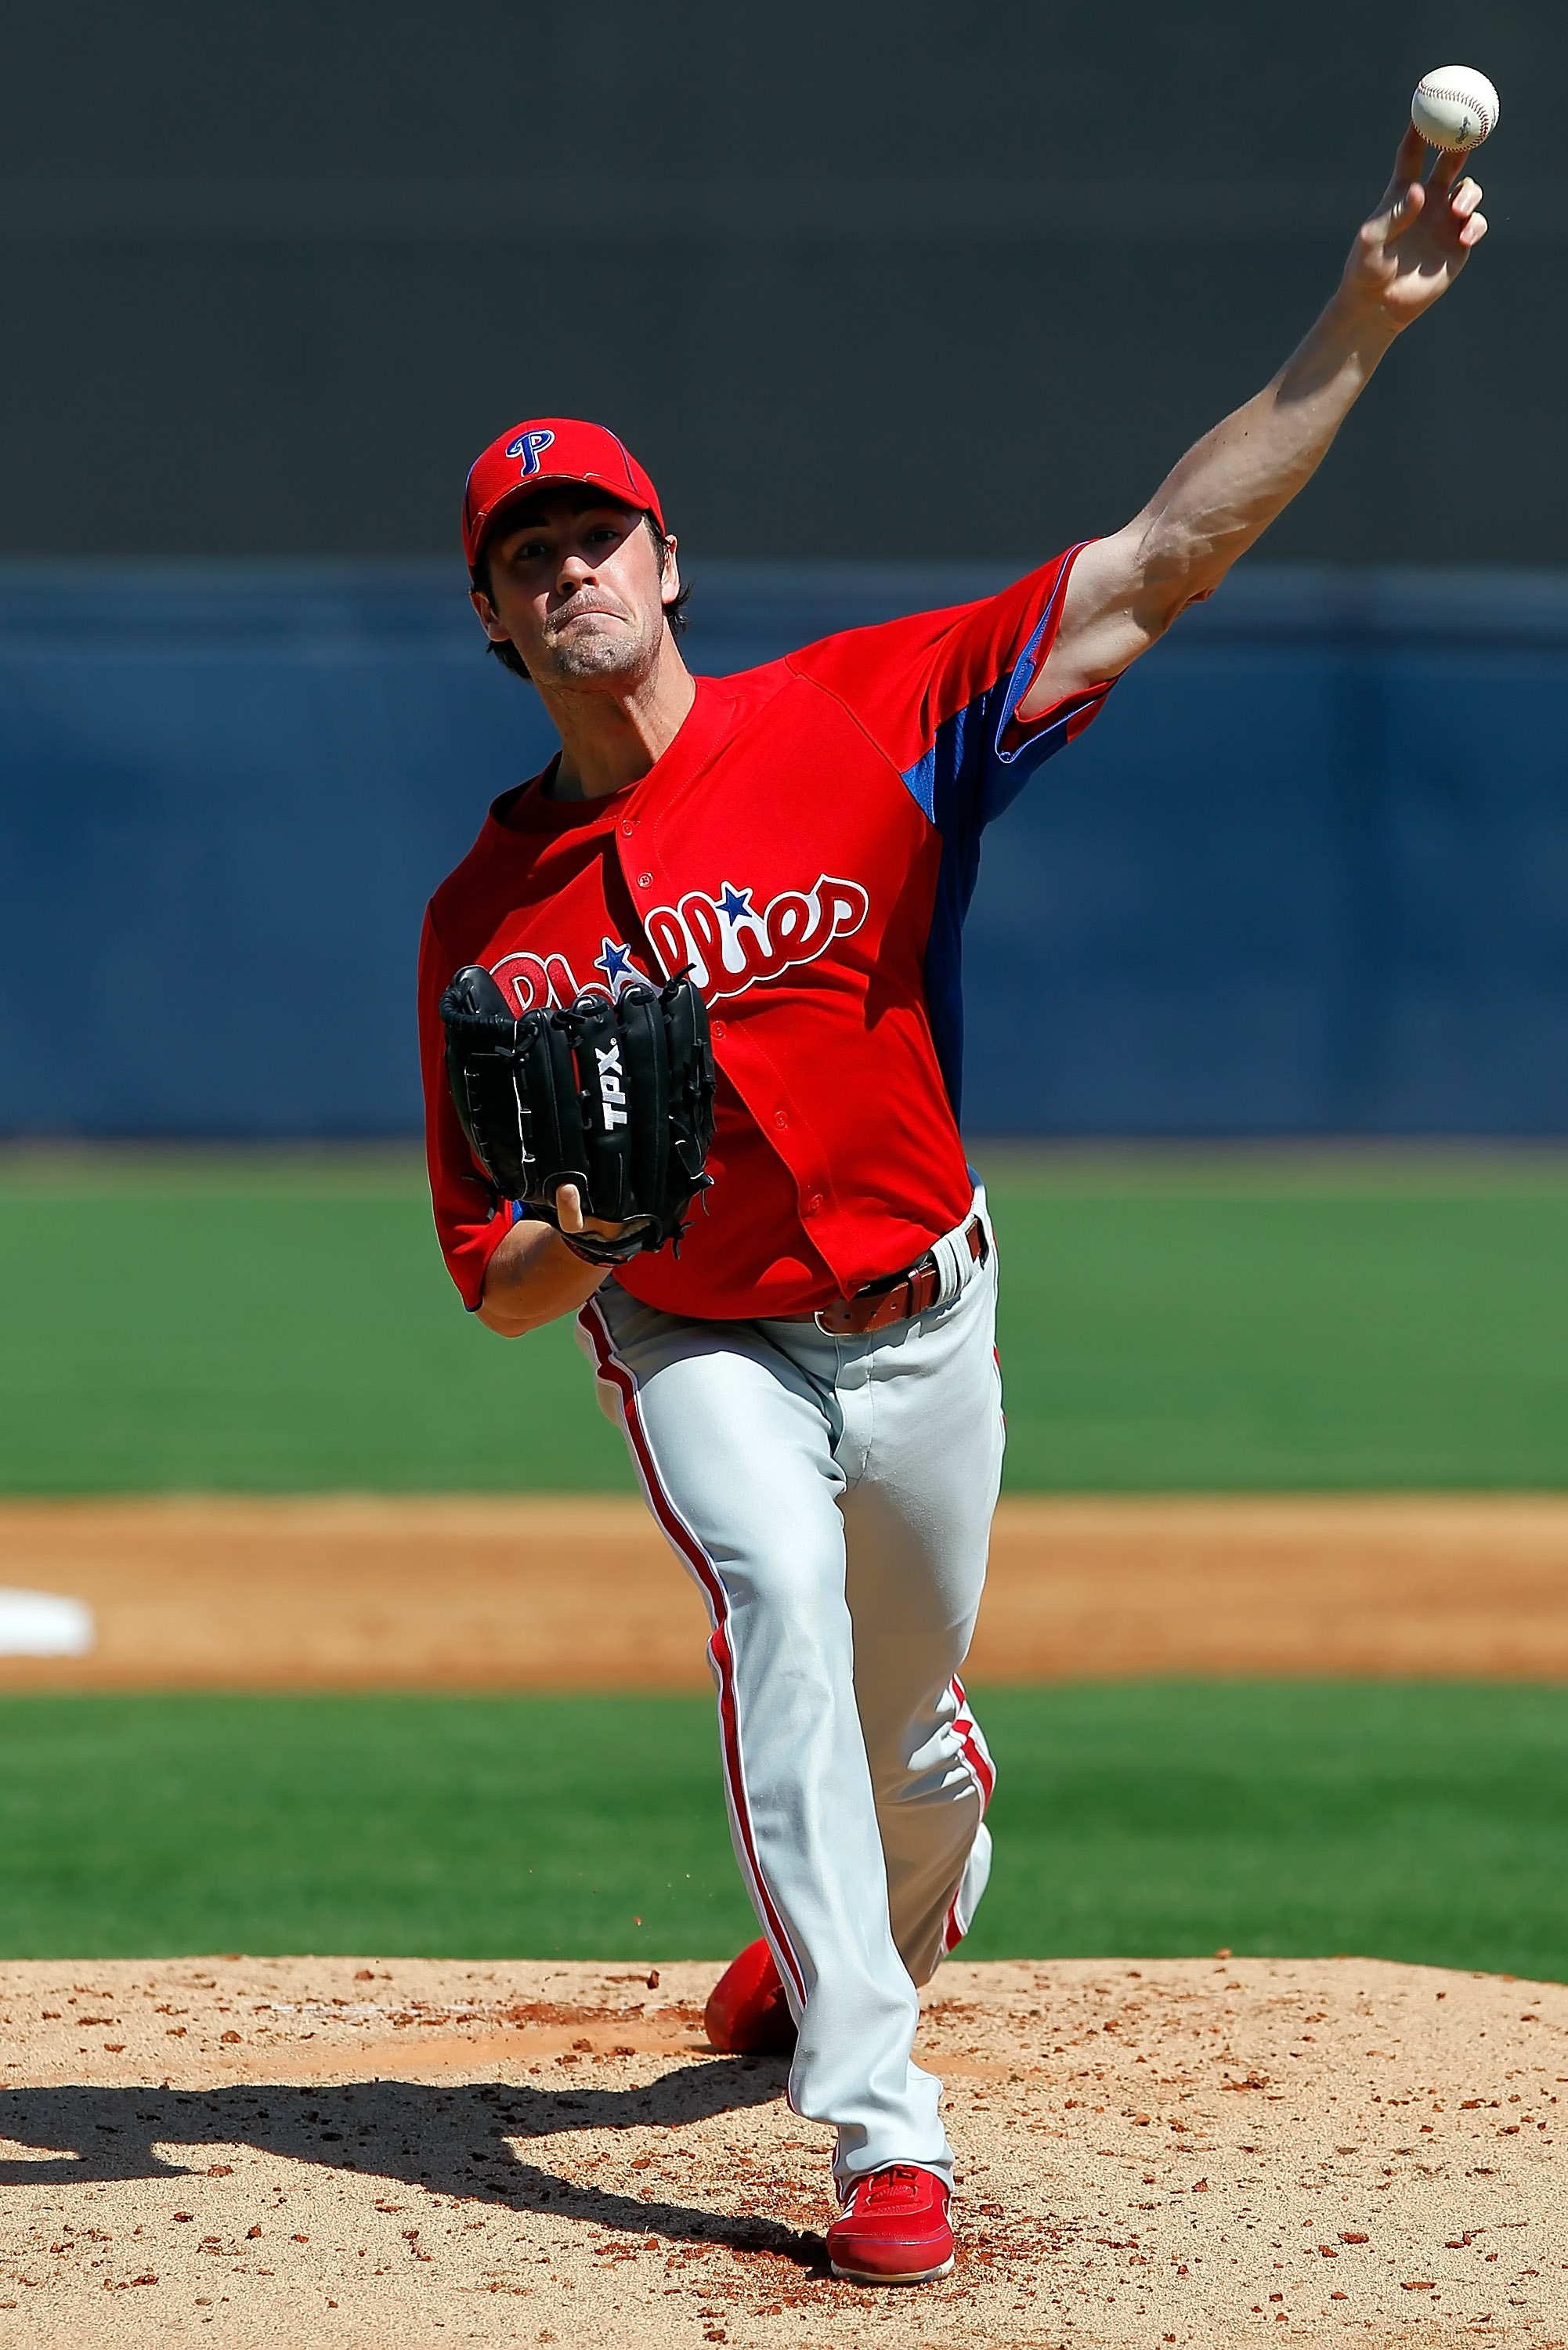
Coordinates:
[808,1384]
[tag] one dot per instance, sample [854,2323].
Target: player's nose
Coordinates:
[573,568]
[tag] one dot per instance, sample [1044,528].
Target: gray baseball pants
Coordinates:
[833,1499]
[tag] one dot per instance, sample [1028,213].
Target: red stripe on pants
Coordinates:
[685,1541]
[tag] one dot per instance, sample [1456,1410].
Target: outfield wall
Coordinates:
[1307,874]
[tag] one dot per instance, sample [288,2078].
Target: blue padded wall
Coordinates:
[1307,874]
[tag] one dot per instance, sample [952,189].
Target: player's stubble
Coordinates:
[596,641]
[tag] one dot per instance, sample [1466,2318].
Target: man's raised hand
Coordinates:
[1420,238]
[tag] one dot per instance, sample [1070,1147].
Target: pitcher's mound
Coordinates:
[309,2151]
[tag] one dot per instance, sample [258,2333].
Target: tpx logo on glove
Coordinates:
[612,1092]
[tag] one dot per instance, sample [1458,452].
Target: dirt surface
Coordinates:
[580,1592]
[369,2152]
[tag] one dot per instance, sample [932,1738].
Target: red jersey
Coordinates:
[808,844]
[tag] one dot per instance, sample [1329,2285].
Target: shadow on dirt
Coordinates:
[466,2140]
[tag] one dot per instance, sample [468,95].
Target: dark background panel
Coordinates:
[888,282]
[887,88]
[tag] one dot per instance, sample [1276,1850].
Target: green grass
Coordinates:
[284,1324]
[1407,1822]
[1350,1327]
[399,1823]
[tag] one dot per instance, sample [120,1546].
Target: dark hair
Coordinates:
[506,652]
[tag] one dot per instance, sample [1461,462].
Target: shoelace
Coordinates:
[899,2183]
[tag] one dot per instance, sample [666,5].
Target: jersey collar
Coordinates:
[527,809]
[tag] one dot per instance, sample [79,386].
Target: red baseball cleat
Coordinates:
[747,2013]
[894,2230]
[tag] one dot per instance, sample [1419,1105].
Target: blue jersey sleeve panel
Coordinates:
[980,760]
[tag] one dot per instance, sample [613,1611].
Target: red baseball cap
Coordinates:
[544,451]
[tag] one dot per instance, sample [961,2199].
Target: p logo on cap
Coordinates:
[529,447]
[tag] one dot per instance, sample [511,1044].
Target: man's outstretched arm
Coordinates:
[1126,591]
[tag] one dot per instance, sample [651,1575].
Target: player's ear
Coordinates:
[487,619]
[669,574]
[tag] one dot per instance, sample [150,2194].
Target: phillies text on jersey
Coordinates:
[719,942]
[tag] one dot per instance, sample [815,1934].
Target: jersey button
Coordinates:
[780,1118]
[628,824]
[814,1205]
[645,881]
[717,1028]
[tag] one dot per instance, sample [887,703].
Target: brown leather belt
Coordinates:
[897,1297]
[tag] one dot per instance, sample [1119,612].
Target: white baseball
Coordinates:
[1455,106]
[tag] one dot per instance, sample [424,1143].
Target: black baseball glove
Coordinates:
[616,1098]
